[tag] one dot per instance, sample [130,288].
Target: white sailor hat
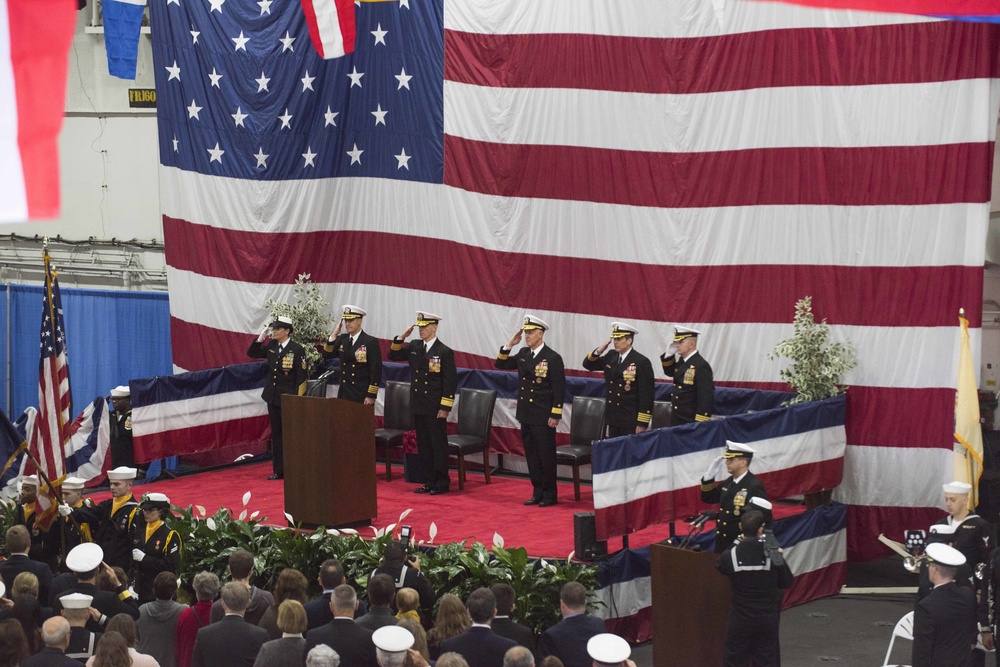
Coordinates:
[680,333]
[942,529]
[608,648]
[424,318]
[945,555]
[762,503]
[534,322]
[283,322]
[737,449]
[392,639]
[74,483]
[155,501]
[75,601]
[84,557]
[960,488]
[353,312]
[29,480]
[121,391]
[122,472]
[621,330]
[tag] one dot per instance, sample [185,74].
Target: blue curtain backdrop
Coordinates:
[111,338]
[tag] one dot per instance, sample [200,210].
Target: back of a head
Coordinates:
[505,595]
[235,597]
[76,617]
[482,605]
[112,651]
[331,574]
[419,635]
[407,599]
[291,585]
[381,589]
[205,585]
[26,583]
[322,655]
[18,540]
[240,564]
[27,610]
[574,596]
[394,551]
[292,617]
[165,586]
[124,625]
[451,659]
[13,643]
[518,656]
[551,661]
[751,523]
[344,600]
[452,619]
[55,632]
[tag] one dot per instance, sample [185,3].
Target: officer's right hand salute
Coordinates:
[336,331]
[263,332]
[671,350]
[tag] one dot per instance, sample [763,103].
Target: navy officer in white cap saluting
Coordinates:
[628,378]
[111,519]
[432,396]
[360,357]
[944,622]
[692,397]
[540,398]
[287,373]
[734,494]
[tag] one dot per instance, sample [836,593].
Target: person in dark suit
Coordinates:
[360,357]
[55,634]
[734,494]
[287,373]
[540,397]
[381,592]
[944,622]
[693,394]
[479,645]
[503,624]
[18,545]
[758,574]
[628,379]
[432,396]
[318,611]
[351,642]
[231,642]
[567,640]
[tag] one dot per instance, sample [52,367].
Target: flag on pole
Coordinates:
[51,426]
[122,27]
[968,433]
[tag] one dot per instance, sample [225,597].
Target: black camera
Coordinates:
[404,536]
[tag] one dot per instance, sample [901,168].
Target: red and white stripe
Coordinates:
[691,162]
[331,26]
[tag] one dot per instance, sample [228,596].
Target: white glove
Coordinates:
[671,350]
[65,510]
[263,334]
[138,555]
[714,469]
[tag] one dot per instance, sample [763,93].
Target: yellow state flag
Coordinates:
[968,433]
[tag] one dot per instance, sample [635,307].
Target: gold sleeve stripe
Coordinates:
[644,417]
[702,418]
[373,389]
[448,402]
[591,357]
[707,486]
[557,411]
[503,356]
[328,347]
[124,595]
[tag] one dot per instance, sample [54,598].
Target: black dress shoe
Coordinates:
[532,501]
[438,492]
[548,503]
[423,489]
[275,476]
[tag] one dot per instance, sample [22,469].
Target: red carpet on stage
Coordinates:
[474,514]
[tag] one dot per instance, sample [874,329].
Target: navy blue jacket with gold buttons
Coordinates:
[542,387]
[434,377]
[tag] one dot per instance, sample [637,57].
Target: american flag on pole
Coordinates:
[691,162]
[50,430]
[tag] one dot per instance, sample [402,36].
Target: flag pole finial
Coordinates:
[961,312]
[45,243]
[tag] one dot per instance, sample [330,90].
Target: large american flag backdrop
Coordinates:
[702,163]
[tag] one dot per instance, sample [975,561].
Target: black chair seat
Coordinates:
[389,437]
[573,455]
[467,444]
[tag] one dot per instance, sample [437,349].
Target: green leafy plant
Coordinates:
[309,313]
[817,368]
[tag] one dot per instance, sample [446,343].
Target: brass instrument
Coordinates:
[915,563]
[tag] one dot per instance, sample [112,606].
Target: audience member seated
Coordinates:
[18,545]
[55,633]
[479,645]
[157,624]
[232,642]
[451,660]
[29,615]
[567,640]
[503,624]
[82,641]
[289,649]
[291,585]
[331,575]
[419,647]
[451,620]
[124,625]
[391,645]
[551,661]
[351,642]
[240,571]
[404,569]
[111,651]
[13,643]
[519,656]
[407,604]
[322,656]
[25,583]
[192,619]
[380,591]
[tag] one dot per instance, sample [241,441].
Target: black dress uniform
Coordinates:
[287,373]
[45,544]
[629,384]
[360,366]
[82,643]
[693,394]
[944,627]
[434,379]
[111,520]
[540,397]
[733,496]
[757,579]
[162,547]
[122,453]
[973,537]
[107,602]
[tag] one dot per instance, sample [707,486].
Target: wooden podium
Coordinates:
[690,607]
[329,450]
